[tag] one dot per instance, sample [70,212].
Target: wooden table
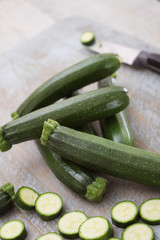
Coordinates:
[26,67]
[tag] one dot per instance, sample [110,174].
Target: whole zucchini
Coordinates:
[77,178]
[74,111]
[6,197]
[103,155]
[80,180]
[69,80]
[116,128]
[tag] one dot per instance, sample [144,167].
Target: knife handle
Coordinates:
[149,60]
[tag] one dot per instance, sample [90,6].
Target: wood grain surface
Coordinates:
[25,68]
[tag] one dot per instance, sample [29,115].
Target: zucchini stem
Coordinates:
[9,188]
[96,190]
[4,145]
[48,128]
[15,115]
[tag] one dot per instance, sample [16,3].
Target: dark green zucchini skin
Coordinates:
[77,178]
[116,128]
[75,77]
[5,202]
[6,195]
[106,156]
[73,112]
[73,176]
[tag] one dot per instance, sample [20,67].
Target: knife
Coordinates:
[130,56]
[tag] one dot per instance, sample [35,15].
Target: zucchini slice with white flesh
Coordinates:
[87,38]
[69,224]
[114,238]
[124,214]
[138,231]
[50,236]
[150,211]
[95,228]
[13,230]
[25,198]
[48,206]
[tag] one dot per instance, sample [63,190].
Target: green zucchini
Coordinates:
[95,228]
[103,155]
[13,230]
[72,112]
[124,214]
[50,236]
[87,38]
[69,80]
[48,206]
[150,211]
[116,128]
[6,197]
[75,177]
[69,223]
[25,198]
[80,180]
[114,238]
[138,231]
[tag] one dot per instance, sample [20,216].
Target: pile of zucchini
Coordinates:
[114,155]
[74,153]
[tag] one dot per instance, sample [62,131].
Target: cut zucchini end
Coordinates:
[15,115]
[142,230]
[87,38]
[14,230]
[9,188]
[96,190]
[124,214]
[50,236]
[69,223]
[48,128]
[95,228]
[150,211]
[25,198]
[48,206]
[4,145]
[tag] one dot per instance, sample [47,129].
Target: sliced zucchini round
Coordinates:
[114,238]
[13,230]
[25,198]
[48,206]
[68,225]
[138,231]
[50,236]
[150,211]
[124,214]
[87,38]
[95,228]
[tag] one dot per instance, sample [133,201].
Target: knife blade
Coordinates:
[130,56]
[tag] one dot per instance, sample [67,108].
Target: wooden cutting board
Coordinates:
[30,64]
